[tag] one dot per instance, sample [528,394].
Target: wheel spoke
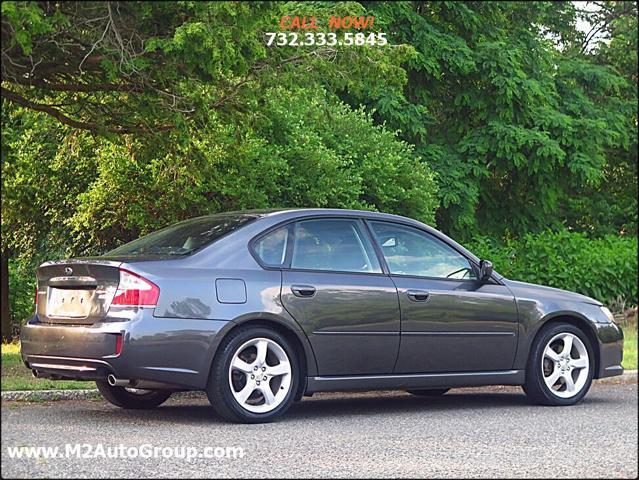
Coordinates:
[245,393]
[281,369]
[570,384]
[241,365]
[262,348]
[567,345]
[579,363]
[550,353]
[269,398]
[552,379]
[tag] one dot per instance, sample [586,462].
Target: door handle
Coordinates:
[303,290]
[418,295]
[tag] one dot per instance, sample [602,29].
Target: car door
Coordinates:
[451,322]
[335,289]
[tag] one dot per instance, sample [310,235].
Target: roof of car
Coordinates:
[325,211]
[289,213]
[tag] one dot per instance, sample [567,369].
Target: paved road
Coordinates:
[473,432]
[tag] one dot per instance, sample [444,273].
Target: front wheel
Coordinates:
[254,376]
[132,398]
[560,367]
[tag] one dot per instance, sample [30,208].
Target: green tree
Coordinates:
[145,67]
[611,205]
[509,111]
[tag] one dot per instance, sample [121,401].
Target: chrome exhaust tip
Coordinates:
[117,382]
[37,374]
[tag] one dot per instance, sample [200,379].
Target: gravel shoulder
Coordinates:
[485,432]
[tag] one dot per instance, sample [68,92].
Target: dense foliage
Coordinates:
[506,109]
[305,149]
[604,268]
[498,119]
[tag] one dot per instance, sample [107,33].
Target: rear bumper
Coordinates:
[174,351]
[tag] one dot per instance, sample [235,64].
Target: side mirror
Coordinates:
[485,270]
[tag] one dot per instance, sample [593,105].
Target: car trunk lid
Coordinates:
[76,291]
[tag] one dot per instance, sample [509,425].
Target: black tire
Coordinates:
[219,390]
[535,386]
[121,397]
[432,392]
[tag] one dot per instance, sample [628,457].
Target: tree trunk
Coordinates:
[4,296]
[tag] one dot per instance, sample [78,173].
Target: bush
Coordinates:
[22,292]
[603,268]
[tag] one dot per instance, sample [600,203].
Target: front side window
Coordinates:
[339,245]
[410,251]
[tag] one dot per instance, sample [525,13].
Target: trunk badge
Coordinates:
[68,270]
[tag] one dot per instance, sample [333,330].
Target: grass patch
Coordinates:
[630,346]
[15,376]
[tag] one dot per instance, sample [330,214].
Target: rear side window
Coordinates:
[271,248]
[339,245]
[185,237]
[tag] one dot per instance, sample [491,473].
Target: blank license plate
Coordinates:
[69,303]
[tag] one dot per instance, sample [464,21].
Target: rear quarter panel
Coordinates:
[189,292]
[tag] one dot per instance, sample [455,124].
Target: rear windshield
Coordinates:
[184,237]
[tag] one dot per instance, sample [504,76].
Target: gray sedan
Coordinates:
[259,308]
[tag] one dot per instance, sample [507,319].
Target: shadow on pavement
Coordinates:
[198,411]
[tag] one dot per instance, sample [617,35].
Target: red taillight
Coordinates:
[118,344]
[35,300]
[135,291]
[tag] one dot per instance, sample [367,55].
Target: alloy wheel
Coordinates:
[260,375]
[565,365]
